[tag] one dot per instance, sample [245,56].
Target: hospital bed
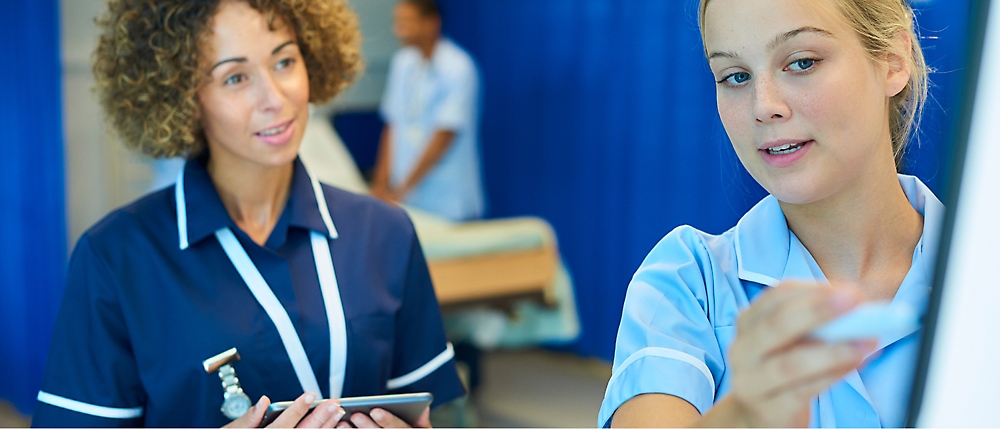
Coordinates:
[476,262]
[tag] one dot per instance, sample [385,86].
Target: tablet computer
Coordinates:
[407,406]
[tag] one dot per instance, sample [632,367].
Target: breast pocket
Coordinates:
[371,351]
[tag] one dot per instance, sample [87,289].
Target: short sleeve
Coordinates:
[666,342]
[91,378]
[459,104]
[424,360]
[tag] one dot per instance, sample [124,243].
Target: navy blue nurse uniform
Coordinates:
[160,285]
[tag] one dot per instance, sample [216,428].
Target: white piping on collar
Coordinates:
[182,230]
[749,275]
[324,210]
[182,226]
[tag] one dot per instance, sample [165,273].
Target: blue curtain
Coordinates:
[32,207]
[599,115]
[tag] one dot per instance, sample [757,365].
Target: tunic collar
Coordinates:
[200,211]
[763,240]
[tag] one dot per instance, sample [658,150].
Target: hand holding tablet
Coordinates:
[408,407]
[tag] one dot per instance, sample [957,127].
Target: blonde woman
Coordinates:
[818,98]
[324,294]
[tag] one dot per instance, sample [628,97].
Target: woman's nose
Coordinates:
[270,96]
[769,105]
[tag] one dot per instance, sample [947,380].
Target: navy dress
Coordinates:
[151,293]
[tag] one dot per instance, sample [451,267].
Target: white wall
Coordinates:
[379,44]
[101,174]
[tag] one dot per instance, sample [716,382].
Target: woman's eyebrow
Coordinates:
[778,40]
[228,60]
[244,59]
[715,55]
[282,46]
[784,37]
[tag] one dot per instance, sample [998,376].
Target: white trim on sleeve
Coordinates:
[667,354]
[85,408]
[425,370]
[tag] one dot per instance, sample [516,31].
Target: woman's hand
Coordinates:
[776,368]
[326,415]
[379,418]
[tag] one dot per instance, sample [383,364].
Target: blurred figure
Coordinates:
[429,152]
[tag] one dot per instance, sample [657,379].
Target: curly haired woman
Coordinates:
[324,294]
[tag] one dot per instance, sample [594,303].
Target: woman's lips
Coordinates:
[278,135]
[785,155]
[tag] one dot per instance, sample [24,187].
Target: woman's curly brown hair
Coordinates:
[148,69]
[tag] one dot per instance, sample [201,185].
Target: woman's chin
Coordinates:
[279,158]
[797,190]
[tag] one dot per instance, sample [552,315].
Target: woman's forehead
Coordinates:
[740,25]
[237,28]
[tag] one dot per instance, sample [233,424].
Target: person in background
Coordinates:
[428,156]
[819,99]
[322,292]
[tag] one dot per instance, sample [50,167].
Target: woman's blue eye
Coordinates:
[737,78]
[803,64]
[284,63]
[234,79]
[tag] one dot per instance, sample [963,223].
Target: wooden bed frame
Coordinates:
[495,276]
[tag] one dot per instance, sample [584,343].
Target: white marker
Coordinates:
[869,321]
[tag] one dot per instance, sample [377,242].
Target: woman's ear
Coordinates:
[899,61]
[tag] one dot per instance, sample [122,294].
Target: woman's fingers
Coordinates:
[386,419]
[325,415]
[252,417]
[379,418]
[808,362]
[772,298]
[791,320]
[776,368]
[335,418]
[293,414]
[361,420]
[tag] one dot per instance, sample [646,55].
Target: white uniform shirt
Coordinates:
[425,96]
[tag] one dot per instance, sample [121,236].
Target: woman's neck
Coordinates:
[254,196]
[863,235]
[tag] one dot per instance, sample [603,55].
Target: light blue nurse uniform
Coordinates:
[680,315]
[424,96]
